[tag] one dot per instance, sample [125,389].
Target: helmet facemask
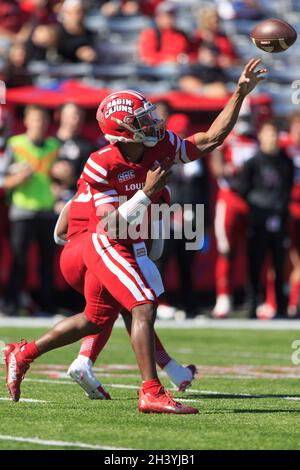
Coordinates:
[146,127]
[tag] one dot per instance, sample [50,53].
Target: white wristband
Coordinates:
[134,209]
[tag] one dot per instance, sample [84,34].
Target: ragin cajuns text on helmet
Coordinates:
[127,116]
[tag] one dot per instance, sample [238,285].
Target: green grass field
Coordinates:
[247,391]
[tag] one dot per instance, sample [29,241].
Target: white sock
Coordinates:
[84,360]
[177,373]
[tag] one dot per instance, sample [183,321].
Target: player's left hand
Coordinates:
[251,77]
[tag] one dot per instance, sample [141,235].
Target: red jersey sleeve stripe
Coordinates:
[96,167]
[106,200]
[111,192]
[106,149]
[182,154]
[171,137]
[191,150]
[188,151]
[177,151]
[93,176]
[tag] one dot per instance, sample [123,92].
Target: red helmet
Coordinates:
[127,116]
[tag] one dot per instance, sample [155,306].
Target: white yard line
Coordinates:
[44,442]
[186,400]
[25,400]
[47,381]
[133,387]
[136,387]
[214,392]
[235,354]
[292,398]
[202,323]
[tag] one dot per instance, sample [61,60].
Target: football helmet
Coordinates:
[127,116]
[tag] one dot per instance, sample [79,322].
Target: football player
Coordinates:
[135,164]
[231,209]
[70,231]
[290,142]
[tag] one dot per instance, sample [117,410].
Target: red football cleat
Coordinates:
[15,368]
[163,402]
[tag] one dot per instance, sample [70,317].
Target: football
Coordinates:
[273,35]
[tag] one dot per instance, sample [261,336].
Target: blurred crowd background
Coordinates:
[58,59]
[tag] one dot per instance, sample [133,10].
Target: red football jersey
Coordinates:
[293,151]
[110,175]
[236,150]
[81,208]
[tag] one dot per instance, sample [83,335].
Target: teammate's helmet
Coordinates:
[127,116]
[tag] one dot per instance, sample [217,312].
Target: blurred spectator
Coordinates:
[189,185]
[74,149]
[73,153]
[45,9]
[148,7]
[214,47]
[164,43]
[75,42]
[120,8]
[231,214]
[12,18]
[42,42]
[30,158]
[129,7]
[15,73]
[5,125]
[34,26]
[266,183]
[163,110]
[291,144]
[198,79]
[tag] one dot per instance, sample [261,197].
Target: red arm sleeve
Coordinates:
[183,150]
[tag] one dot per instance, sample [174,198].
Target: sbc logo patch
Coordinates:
[126,176]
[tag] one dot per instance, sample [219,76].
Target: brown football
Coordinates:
[273,35]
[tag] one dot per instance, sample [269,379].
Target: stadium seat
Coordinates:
[114,71]
[129,26]
[244,26]
[97,23]
[164,71]
[187,23]
[63,70]
[117,51]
